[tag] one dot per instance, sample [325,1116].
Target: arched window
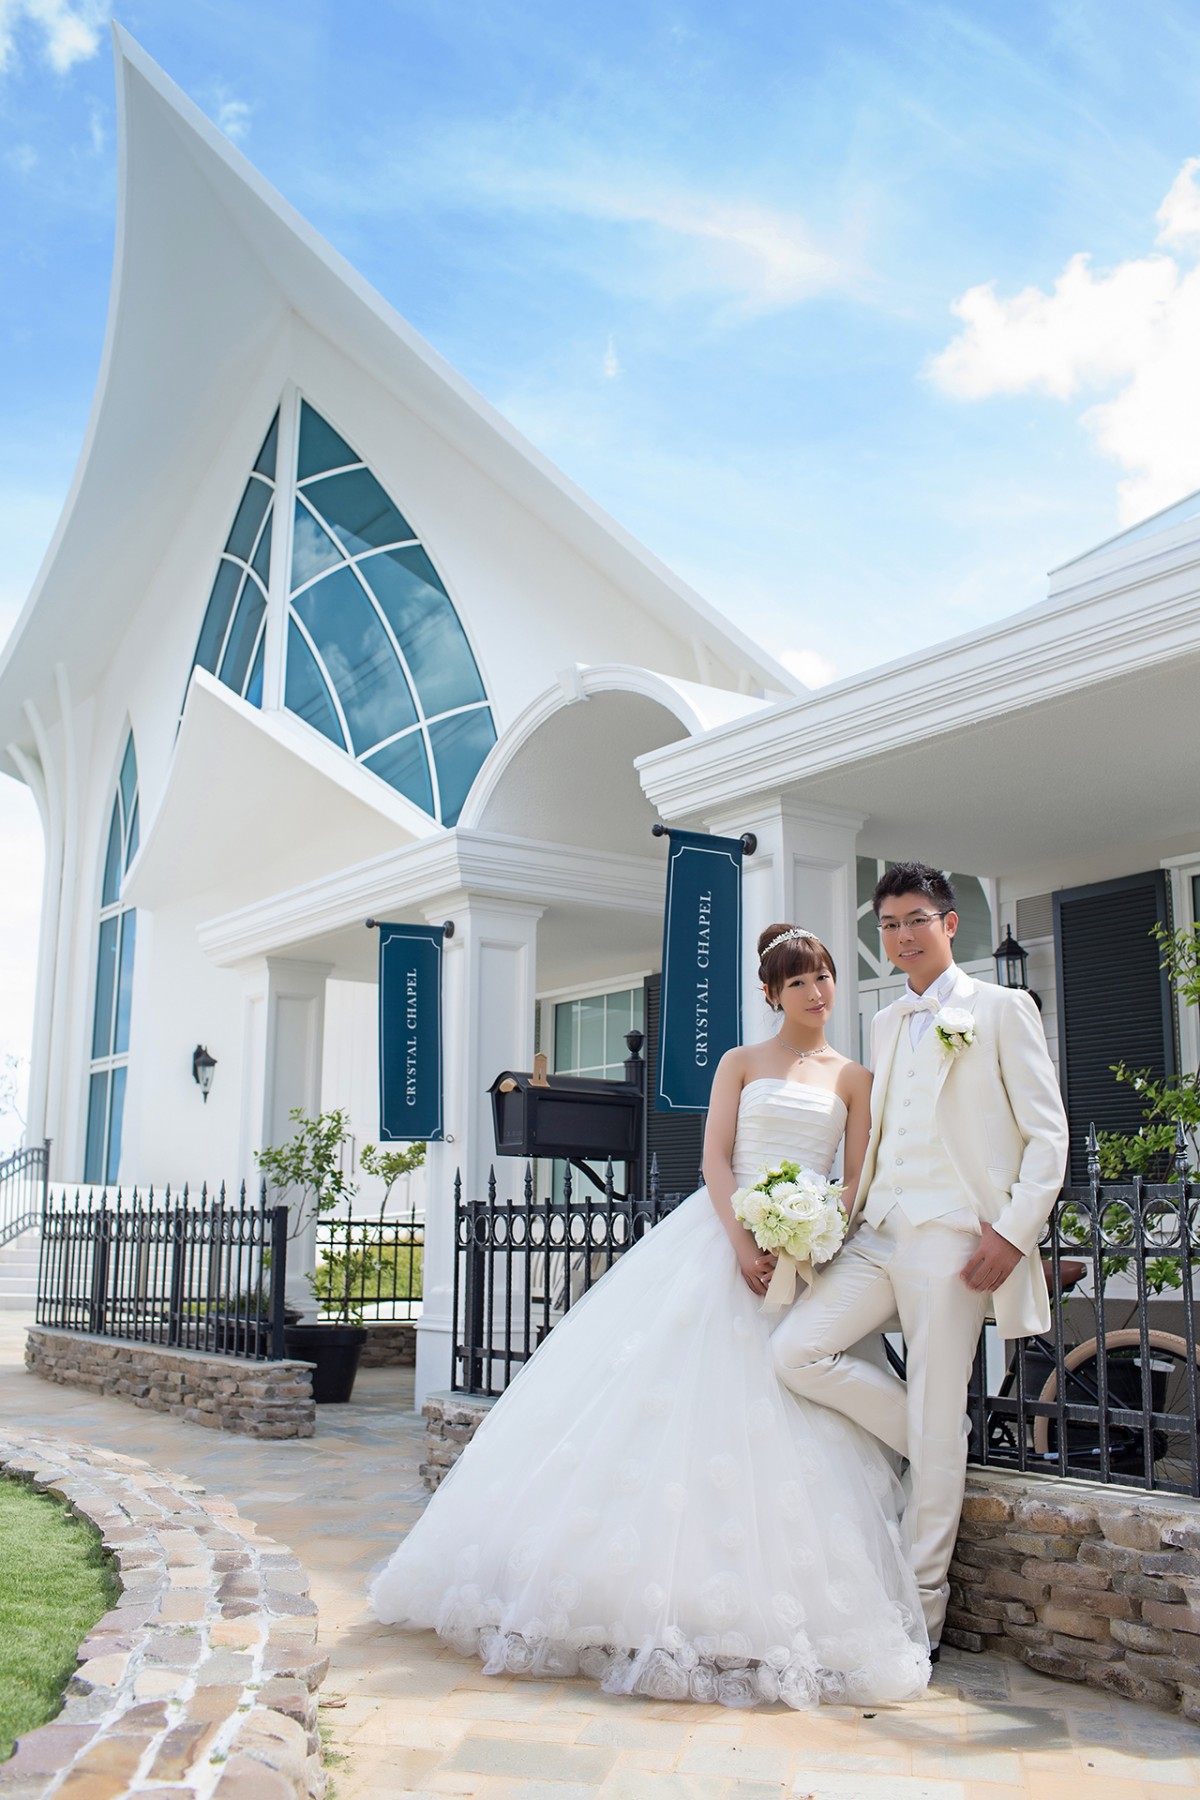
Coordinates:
[377,660]
[109,1059]
[232,636]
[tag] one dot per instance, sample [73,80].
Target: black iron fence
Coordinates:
[24,1190]
[520,1264]
[370,1269]
[193,1273]
[1112,1392]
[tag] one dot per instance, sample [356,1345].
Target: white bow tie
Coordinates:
[915,1003]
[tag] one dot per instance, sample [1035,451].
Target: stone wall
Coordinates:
[389,1346]
[225,1393]
[203,1678]
[451,1421]
[1099,1585]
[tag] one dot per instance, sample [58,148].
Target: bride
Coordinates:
[646,1506]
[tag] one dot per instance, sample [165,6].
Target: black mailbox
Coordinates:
[567,1116]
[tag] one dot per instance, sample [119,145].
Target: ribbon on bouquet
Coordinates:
[782,1289]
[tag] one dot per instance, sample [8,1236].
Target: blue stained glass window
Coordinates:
[382,657]
[320,446]
[358,511]
[306,694]
[403,765]
[262,556]
[128,780]
[113,999]
[254,687]
[97,1127]
[106,982]
[265,464]
[120,1044]
[354,647]
[116,1120]
[389,642]
[216,619]
[247,546]
[460,744]
[313,550]
[244,534]
[111,885]
[243,636]
[418,609]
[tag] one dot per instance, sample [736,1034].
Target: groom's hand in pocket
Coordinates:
[992,1263]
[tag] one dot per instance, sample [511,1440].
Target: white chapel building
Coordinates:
[320,638]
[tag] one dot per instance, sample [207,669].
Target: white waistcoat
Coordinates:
[912,1170]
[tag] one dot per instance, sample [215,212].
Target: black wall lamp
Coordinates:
[202,1070]
[1012,961]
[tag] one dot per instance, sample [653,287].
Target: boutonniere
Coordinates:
[955,1028]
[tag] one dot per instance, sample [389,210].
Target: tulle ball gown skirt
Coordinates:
[647,1508]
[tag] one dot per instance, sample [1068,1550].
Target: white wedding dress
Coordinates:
[647,1507]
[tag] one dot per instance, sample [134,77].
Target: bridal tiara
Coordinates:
[794,931]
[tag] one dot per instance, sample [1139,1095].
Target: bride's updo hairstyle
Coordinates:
[798,952]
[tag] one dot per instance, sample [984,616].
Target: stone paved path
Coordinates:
[413,1721]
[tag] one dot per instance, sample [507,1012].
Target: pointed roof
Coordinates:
[209,262]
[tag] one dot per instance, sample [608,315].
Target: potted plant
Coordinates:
[310,1165]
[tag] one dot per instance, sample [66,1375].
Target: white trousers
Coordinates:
[913,1273]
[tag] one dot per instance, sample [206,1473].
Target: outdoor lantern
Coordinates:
[1010,962]
[202,1069]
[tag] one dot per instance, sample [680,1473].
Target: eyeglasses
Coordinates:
[914,922]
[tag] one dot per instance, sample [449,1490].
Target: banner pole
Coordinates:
[747,840]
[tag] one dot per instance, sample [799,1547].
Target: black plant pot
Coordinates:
[335,1350]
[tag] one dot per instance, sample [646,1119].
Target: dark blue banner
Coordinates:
[410,1033]
[701,967]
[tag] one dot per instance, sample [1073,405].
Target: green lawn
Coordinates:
[55,1582]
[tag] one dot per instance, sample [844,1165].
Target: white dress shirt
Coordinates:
[921,1019]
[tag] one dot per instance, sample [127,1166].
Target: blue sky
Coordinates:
[861,316]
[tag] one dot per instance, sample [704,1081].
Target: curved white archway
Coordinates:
[564,769]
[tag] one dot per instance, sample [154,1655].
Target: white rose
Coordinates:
[956,1020]
[806,1206]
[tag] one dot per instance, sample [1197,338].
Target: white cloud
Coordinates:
[233,117]
[1179,215]
[766,258]
[1129,335]
[808,666]
[611,367]
[69,33]
[97,130]
[676,241]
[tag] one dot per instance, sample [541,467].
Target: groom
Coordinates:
[966,1155]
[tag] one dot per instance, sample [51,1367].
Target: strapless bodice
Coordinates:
[786,1119]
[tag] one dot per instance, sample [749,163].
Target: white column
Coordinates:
[802,873]
[488,1000]
[43,788]
[285,1024]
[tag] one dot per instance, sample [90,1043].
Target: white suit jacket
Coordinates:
[1000,1117]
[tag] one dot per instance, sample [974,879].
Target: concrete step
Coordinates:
[18,1272]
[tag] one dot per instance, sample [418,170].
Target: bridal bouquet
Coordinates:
[798,1214]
